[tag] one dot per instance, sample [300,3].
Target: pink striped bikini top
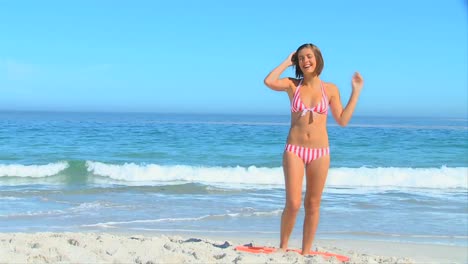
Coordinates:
[297,105]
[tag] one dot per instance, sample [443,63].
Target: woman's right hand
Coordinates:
[289,60]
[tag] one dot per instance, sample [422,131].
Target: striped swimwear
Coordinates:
[308,154]
[298,105]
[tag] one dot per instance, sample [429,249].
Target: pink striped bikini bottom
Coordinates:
[307,154]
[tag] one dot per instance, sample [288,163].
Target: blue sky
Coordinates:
[212,56]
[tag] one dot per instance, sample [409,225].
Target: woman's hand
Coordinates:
[357,82]
[289,60]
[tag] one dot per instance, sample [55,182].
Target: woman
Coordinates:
[307,143]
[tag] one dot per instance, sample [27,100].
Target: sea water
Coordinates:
[391,178]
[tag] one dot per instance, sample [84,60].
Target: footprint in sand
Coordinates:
[73,242]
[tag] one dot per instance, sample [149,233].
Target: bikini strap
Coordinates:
[323,90]
[298,87]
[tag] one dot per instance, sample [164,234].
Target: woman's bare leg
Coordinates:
[316,175]
[293,168]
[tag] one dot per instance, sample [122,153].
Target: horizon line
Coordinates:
[465,118]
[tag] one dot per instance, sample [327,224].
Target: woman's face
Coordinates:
[306,60]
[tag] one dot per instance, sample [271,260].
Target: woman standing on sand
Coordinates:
[307,143]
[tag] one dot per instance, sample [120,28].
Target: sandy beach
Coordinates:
[125,248]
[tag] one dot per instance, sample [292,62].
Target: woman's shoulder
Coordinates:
[329,86]
[331,89]
[295,81]
[293,84]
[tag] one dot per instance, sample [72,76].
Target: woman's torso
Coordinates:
[309,108]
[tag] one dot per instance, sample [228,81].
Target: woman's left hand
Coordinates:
[357,82]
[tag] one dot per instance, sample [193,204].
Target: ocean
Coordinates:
[391,178]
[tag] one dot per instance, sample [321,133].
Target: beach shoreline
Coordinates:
[124,247]
[147,188]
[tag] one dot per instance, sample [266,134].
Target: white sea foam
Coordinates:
[438,178]
[10,198]
[114,223]
[153,172]
[35,171]
[34,214]
[187,219]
